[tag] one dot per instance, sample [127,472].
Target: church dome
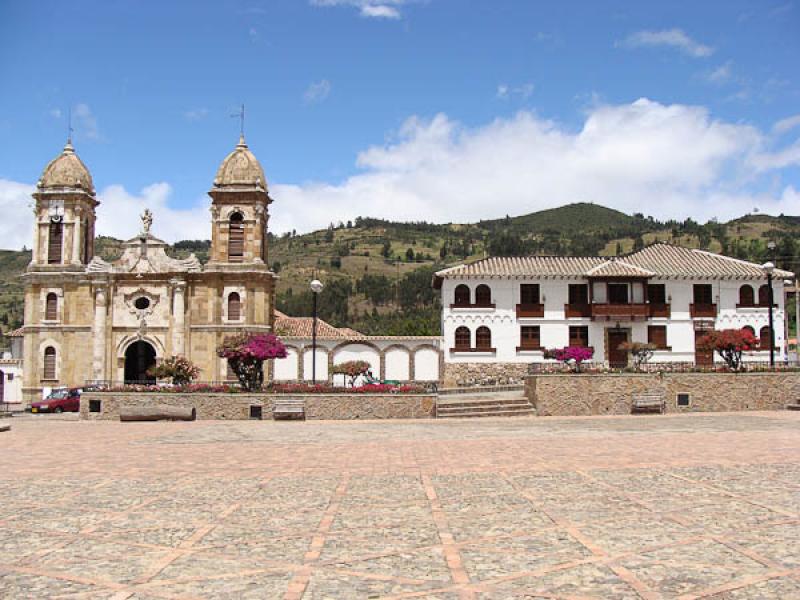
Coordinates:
[67,171]
[240,168]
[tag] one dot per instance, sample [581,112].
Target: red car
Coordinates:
[59,401]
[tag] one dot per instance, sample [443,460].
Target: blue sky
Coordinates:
[442,110]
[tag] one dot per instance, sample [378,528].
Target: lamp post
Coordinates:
[768,269]
[316,287]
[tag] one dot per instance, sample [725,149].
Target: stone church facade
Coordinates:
[91,320]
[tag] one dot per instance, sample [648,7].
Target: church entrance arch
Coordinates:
[139,357]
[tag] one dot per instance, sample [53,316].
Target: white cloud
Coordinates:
[84,122]
[317,92]
[376,9]
[55,113]
[523,92]
[665,160]
[786,124]
[196,114]
[673,38]
[721,75]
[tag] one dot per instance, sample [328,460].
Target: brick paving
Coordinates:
[682,506]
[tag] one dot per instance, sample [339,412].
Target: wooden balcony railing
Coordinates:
[481,305]
[703,310]
[527,346]
[530,310]
[659,310]
[620,311]
[577,310]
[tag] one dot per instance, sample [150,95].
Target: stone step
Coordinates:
[464,402]
[499,413]
[486,407]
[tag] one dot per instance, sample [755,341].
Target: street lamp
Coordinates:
[769,268]
[316,287]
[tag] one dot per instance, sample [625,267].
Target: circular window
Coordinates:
[142,303]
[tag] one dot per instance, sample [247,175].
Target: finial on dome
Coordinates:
[242,143]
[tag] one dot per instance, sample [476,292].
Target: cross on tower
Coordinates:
[240,115]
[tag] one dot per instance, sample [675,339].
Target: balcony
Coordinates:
[753,305]
[660,310]
[527,347]
[484,305]
[530,310]
[622,312]
[574,311]
[706,311]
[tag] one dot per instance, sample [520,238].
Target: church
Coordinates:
[87,319]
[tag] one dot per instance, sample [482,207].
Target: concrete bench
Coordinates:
[289,408]
[157,412]
[648,403]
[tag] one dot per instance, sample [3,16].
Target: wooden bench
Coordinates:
[289,408]
[157,412]
[648,403]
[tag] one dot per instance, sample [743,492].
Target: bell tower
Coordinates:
[239,211]
[64,214]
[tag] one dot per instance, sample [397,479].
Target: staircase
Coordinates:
[494,404]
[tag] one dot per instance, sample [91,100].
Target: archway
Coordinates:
[139,357]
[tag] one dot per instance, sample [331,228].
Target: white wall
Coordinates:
[322,364]
[426,365]
[397,364]
[285,369]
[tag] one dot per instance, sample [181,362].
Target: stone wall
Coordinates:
[475,373]
[237,406]
[591,394]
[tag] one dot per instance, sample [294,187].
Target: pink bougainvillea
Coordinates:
[246,354]
[730,344]
[571,355]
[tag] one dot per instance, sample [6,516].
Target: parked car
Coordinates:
[63,400]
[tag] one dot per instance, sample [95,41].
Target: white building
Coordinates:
[11,374]
[499,314]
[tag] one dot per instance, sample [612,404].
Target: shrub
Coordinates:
[352,369]
[571,355]
[730,344]
[641,352]
[177,368]
[246,354]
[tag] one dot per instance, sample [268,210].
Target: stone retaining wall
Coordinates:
[483,374]
[591,394]
[237,406]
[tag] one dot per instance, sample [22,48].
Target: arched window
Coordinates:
[87,242]
[51,307]
[462,338]
[764,338]
[763,295]
[55,237]
[236,238]
[746,296]
[750,329]
[49,371]
[483,295]
[483,338]
[234,307]
[461,295]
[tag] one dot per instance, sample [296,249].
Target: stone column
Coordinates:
[178,317]
[99,333]
[76,238]
[35,254]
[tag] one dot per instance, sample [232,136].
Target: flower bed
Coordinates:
[278,388]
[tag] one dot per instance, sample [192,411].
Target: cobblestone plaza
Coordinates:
[598,507]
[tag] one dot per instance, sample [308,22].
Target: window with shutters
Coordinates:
[483,296]
[463,340]
[657,293]
[579,336]
[529,293]
[657,335]
[578,293]
[703,294]
[51,307]
[529,337]
[764,338]
[483,338]
[461,297]
[763,295]
[49,371]
[236,238]
[234,307]
[54,243]
[746,296]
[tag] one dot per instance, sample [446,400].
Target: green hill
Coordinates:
[378,272]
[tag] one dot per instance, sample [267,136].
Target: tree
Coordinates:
[246,354]
[641,352]
[386,249]
[410,255]
[352,369]
[329,234]
[177,368]
[730,344]
[571,355]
